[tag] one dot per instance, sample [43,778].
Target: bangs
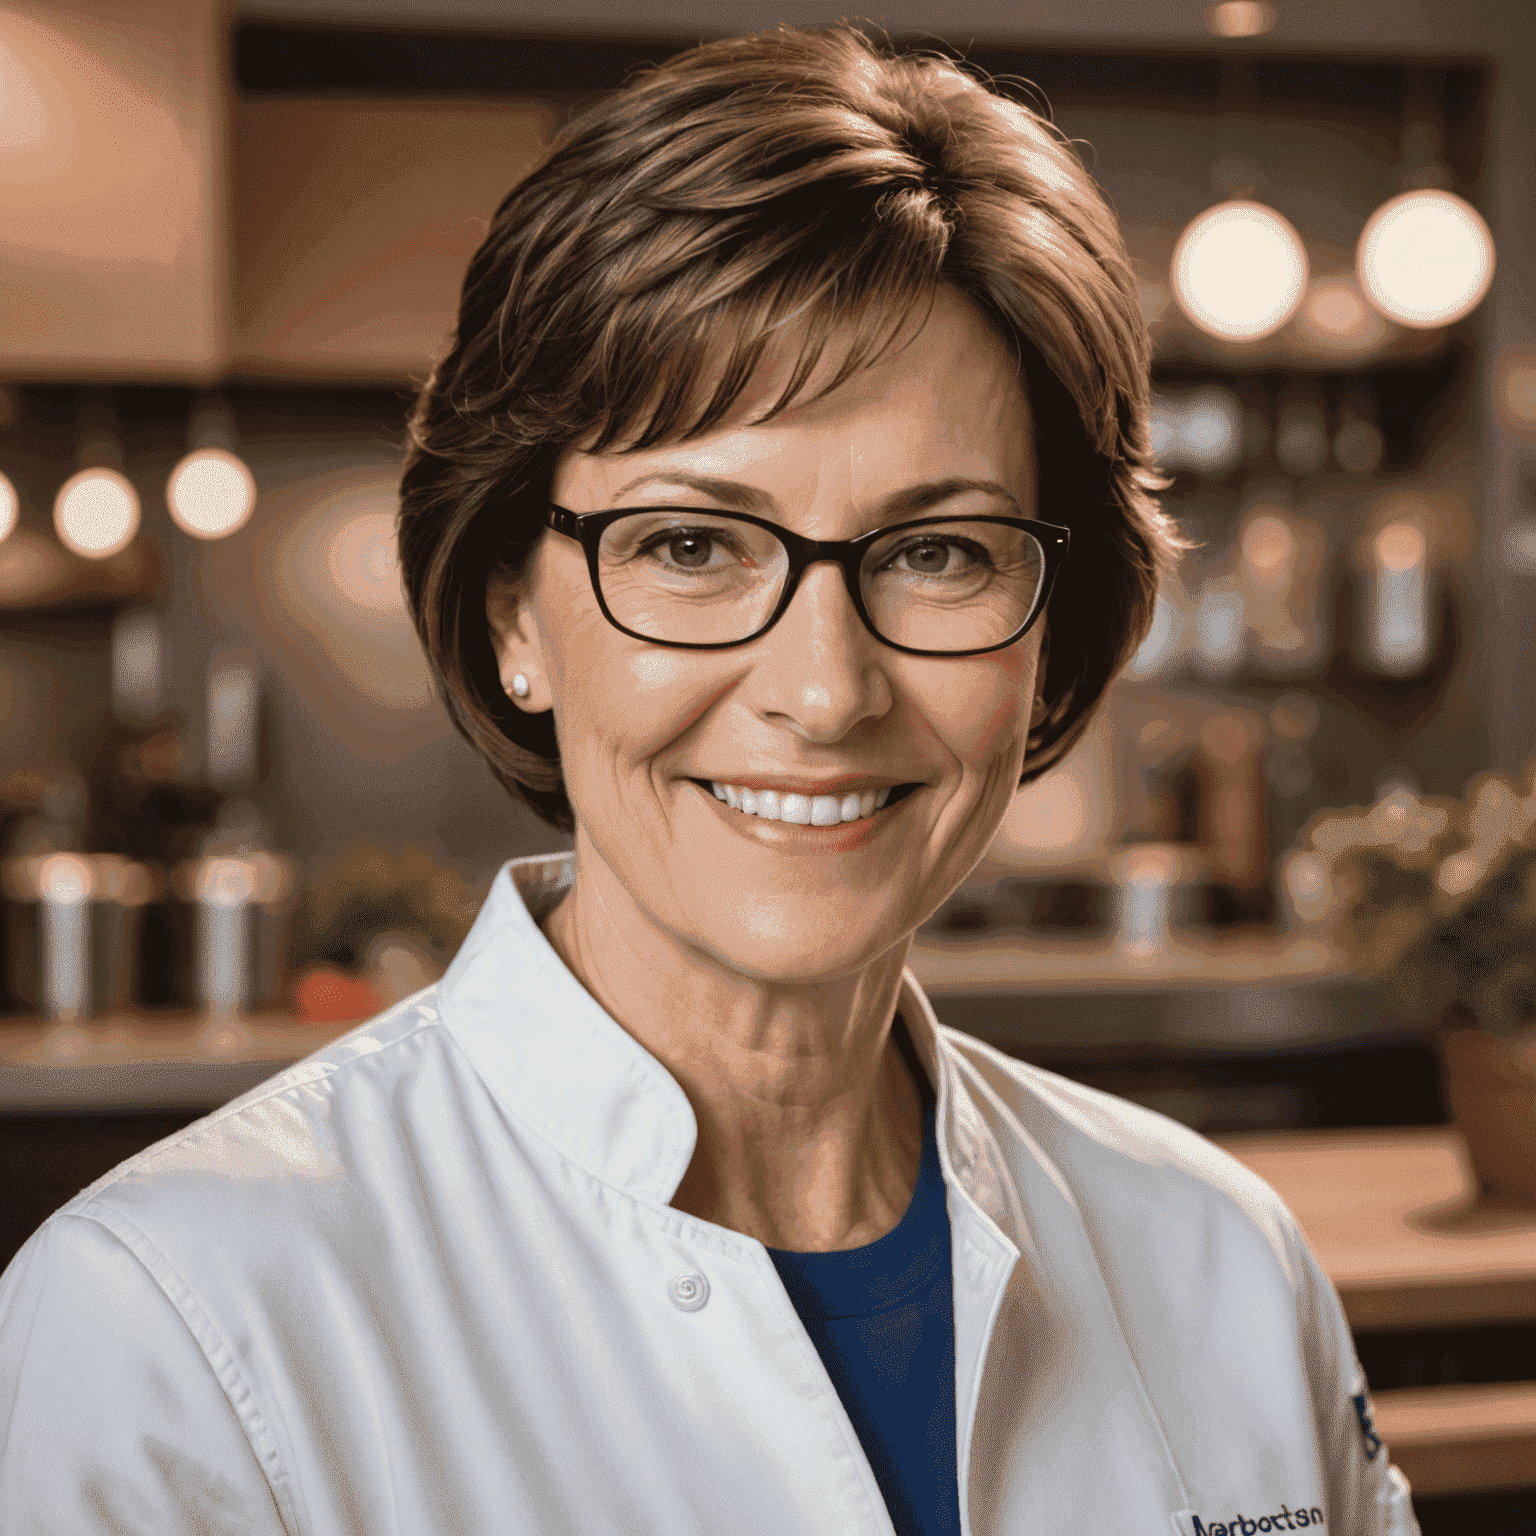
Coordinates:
[674,361]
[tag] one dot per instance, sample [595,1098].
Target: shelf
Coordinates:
[1016,962]
[147,1061]
[1461,1439]
[1391,1217]
[40,578]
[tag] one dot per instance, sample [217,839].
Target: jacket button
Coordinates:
[688,1291]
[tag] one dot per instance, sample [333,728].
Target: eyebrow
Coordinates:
[751,498]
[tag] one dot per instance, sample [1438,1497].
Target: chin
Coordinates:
[769,941]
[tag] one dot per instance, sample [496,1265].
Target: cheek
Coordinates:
[981,714]
[617,699]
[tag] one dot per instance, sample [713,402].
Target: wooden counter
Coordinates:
[1391,1218]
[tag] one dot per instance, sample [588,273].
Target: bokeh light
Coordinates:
[1425,259]
[96,513]
[1240,18]
[1336,314]
[65,878]
[1269,551]
[1400,546]
[1213,429]
[364,563]
[10,507]
[1239,271]
[1516,393]
[225,882]
[211,493]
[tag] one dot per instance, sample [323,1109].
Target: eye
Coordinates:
[686,549]
[938,557]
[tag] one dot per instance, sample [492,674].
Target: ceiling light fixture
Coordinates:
[211,493]
[1239,270]
[1425,258]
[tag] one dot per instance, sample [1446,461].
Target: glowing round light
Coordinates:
[1239,271]
[1240,18]
[1400,547]
[1425,259]
[10,507]
[211,493]
[96,513]
[1335,313]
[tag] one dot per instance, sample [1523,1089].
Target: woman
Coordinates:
[788,390]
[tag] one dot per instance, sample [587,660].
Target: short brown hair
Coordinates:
[793,179]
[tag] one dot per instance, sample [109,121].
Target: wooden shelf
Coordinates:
[1015,962]
[1461,1439]
[40,578]
[1392,1217]
[172,1060]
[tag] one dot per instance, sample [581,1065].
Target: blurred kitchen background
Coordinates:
[232,814]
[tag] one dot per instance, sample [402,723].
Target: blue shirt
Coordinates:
[883,1319]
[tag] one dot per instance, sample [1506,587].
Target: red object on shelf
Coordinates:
[324,995]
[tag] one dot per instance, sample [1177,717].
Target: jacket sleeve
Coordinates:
[1367,1495]
[111,1417]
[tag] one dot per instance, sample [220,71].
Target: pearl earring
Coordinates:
[520,685]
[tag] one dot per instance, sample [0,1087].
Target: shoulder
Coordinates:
[1117,1155]
[287,1143]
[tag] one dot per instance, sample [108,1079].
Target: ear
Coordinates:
[519,648]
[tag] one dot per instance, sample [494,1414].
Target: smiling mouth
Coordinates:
[805,810]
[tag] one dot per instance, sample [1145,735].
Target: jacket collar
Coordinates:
[562,1066]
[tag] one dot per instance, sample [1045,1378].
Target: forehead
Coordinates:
[946,399]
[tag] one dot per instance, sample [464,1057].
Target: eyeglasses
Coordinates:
[702,580]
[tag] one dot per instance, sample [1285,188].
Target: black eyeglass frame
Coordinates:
[587,529]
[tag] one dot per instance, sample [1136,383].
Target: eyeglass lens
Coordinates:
[707,579]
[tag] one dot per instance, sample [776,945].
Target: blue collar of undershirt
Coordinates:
[889,1272]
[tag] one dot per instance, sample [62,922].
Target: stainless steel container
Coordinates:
[72,932]
[232,923]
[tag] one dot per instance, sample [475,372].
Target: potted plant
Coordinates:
[1437,899]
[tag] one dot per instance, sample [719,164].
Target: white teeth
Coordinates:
[801,810]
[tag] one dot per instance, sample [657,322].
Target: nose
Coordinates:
[819,671]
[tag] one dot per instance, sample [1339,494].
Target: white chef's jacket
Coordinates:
[427,1281]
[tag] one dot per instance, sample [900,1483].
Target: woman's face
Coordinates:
[817,705]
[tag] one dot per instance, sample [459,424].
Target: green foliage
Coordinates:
[1438,897]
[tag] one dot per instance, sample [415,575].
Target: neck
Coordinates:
[809,1123]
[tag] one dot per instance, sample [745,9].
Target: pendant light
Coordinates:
[211,493]
[1239,269]
[1426,257]
[96,511]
